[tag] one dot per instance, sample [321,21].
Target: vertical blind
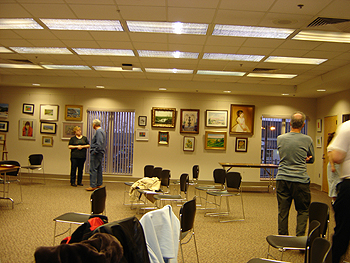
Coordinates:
[119,127]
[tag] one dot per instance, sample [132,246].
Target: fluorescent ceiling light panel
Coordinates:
[83,24]
[107,68]
[267,75]
[324,36]
[251,31]
[294,60]
[167,54]
[236,57]
[41,50]
[19,23]
[104,52]
[22,66]
[67,67]
[170,70]
[167,27]
[5,50]
[220,73]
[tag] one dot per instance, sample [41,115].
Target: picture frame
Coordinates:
[28,108]
[216,118]
[142,120]
[242,124]
[67,129]
[215,140]
[241,144]
[73,112]
[47,141]
[163,117]
[48,127]
[319,125]
[49,112]
[189,143]
[142,134]
[4,110]
[189,119]
[27,129]
[2,138]
[4,126]
[345,117]
[163,137]
[318,141]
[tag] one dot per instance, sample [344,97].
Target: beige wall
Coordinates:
[169,156]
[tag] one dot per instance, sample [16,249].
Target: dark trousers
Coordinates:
[341,235]
[96,169]
[76,163]
[300,193]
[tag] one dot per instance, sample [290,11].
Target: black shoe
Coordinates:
[73,185]
[80,184]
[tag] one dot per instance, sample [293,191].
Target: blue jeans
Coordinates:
[96,169]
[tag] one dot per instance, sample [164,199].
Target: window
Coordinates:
[271,128]
[119,127]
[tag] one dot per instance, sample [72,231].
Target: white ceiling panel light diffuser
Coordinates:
[19,23]
[220,73]
[167,27]
[67,67]
[42,50]
[235,57]
[107,68]
[170,70]
[19,66]
[310,35]
[5,50]
[83,24]
[268,75]
[251,31]
[167,54]
[294,60]
[104,52]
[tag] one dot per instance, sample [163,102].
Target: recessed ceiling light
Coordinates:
[324,36]
[41,50]
[227,91]
[321,90]
[220,73]
[5,50]
[172,70]
[19,23]
[107,68]
[100,87]
[251,31]
[167,54]
[268,75]
[104,52]
[162,89]
[294,60]
[285,94]
[36,84]
[235,57]
[83,24]
[167,27]
[67,67]
[22,66]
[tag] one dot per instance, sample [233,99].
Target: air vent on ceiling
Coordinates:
[322,21]
[21,61]
[264,70]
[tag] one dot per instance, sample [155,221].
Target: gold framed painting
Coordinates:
[215,140]
[74,112]
[47,141]
[163,117]
[242,119]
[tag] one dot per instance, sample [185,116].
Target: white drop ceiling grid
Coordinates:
[262,13]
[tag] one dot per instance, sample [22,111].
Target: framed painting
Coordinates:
[67,129]
[74,112]
[47,141]
[216,118]
[142,120]
[4,126]
[318,141]
[163,117]
[319,125]
[215,140]
[27,129]
[241,144]
[142,134]
[48,127]
[28,108]
[4,110]
[242,119]
[2,138]
[345,117]
[163,137]
[189,121]
[49,112]
[188,143]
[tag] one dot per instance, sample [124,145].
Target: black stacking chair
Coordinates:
[11,177]
[320,212]
[157,171]
[35,162]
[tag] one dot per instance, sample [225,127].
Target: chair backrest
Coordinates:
[157,171]
[35,159]
[98,200]
[319,250]
[219,176]
[184,180]
[195,171]
[148,170]
[15,163]
[187,215]
[165,178]
[314,232]
[233,180]
[320,212]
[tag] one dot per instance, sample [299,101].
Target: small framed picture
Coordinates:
[49,112]
[28,108]
[4,126]
[216,118]
[4,110]
[67,129]
[163,137]
[142,120]
[47,141]
[74,112]
[2,138]
[48,127]
[319,125]
[142,134]
[27,129]
[188,143]
[345,117]
[163,117]
[189,121]
[241,144]
[215,140]
[318,141]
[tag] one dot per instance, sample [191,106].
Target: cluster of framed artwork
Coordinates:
[241,123]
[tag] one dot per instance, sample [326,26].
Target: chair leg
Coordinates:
[195,245]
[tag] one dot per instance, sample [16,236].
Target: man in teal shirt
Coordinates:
[292,181]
